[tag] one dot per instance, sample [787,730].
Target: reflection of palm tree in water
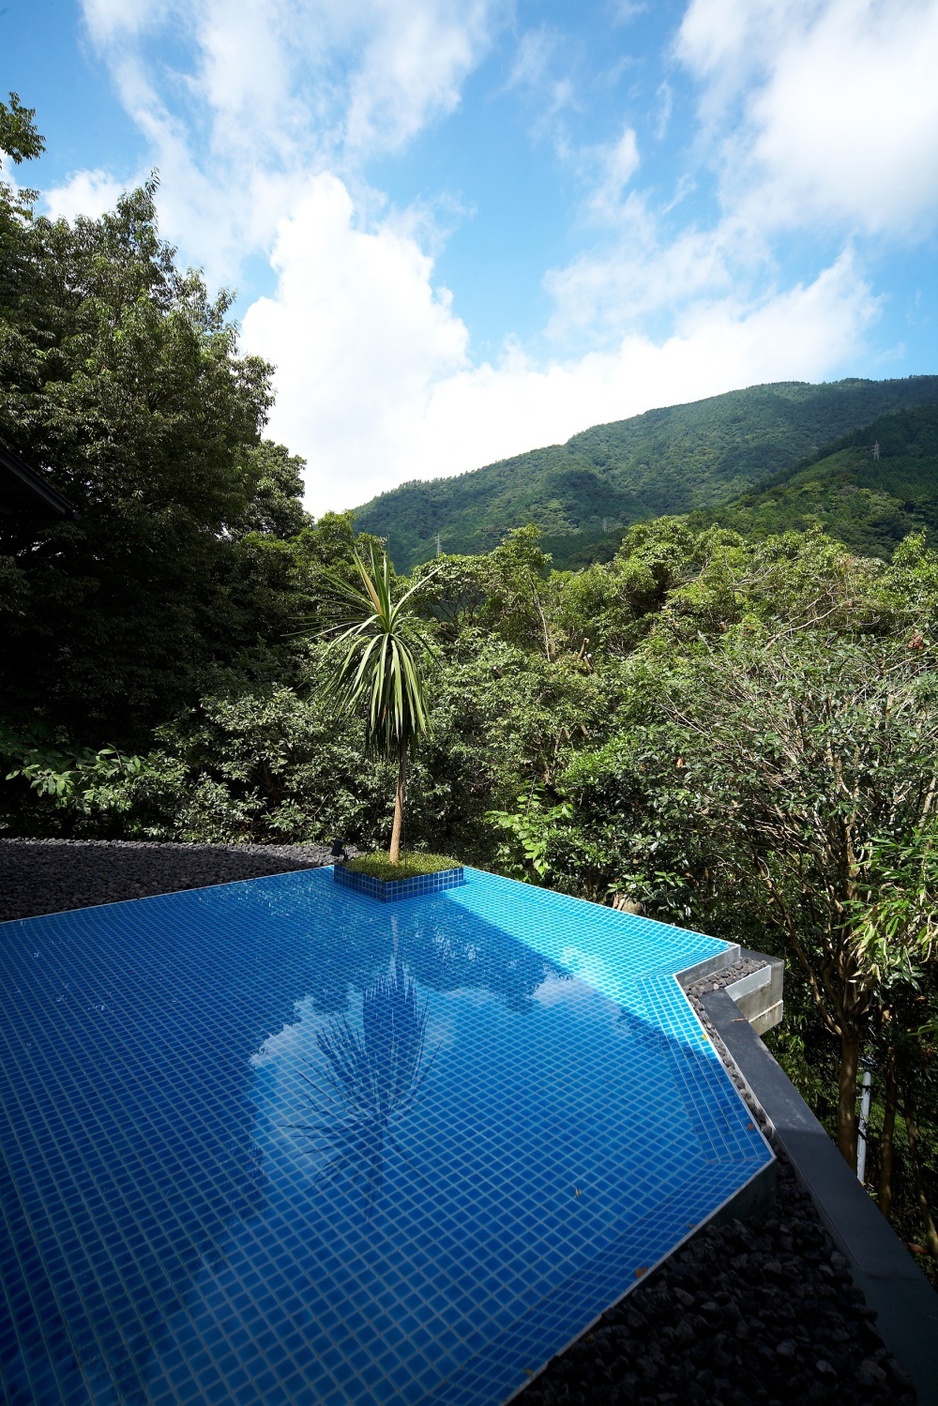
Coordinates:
[374,1078]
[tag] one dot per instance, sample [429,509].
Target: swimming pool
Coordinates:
[277,1142]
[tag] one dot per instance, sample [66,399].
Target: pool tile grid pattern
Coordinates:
[169,1236]
[394,890]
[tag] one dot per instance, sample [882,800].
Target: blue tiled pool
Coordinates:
[276,1142]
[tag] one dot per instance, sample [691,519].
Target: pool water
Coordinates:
[276,1142]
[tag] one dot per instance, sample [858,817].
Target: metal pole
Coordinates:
[865,1083]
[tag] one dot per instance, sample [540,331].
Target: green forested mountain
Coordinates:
[584,493]
[868,498]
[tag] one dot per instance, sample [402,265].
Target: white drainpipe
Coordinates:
[865,1083]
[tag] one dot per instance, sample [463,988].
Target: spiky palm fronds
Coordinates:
[373,1078]
[383,653]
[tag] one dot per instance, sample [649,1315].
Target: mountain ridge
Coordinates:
[684,458]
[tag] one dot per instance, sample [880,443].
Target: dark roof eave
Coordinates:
[31,484]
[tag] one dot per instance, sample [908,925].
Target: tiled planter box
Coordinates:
[391,890]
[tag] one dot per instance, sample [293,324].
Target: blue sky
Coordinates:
[464,228]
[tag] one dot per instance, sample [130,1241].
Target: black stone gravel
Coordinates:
[51,876]
[744,967]
[751,1312]
[757,1311]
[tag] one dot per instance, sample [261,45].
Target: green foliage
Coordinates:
[326,550]
[268,765]
[90,789]
[18,135]
[583,494]
[896,912]
[504,591]
[275,508]
[502,719]
[120,379]
[528,831]
[612,607]
[869,503]
[380,651]
[412,866]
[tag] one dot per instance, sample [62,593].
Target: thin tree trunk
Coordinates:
[887,1138]
[548,642]
[928,1223]
[398,826]
[847,1103]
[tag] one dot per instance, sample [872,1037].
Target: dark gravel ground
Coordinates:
[50,876]
[751,1312]
[755,1311]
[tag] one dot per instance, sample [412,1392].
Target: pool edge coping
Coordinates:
[905,1303]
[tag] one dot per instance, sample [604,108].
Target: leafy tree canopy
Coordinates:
[19,137]
[120,379]
[870,489]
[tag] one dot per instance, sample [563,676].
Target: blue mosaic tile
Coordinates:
[276,1142]
[393,890]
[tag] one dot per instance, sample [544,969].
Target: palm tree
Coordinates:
[372,1080]
[383,652]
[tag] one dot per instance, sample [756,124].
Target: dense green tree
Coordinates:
[607,610]
[19,141]
[868,499]
[121,381]
[275,508]
[803,755]
[451,590]
[18,135]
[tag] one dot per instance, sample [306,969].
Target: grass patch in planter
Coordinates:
[413,866]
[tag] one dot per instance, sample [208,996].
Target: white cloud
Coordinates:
[308,73]
[539,70]
[618,163]
[272,92]
[244,71]
[624,11]
[665,98]
[848,124]
[84,193]
[642,274]
[837,108]
[413,67]
[533,58]
[359,337]
[110,21]
[375,387]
